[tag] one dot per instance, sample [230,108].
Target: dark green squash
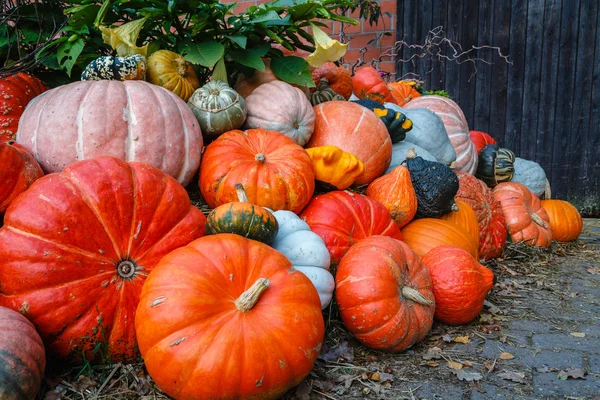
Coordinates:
[496,165]
[324,93]
[244,219]
[116,68]
[435,185]
[396,122]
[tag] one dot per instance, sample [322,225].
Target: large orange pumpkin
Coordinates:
[460,284]
[226,308]
[368,84]
[15,92]
[356,130]
[343,218]
[565,220]
[76,248]
[403,92]
[465,218]
[423,235]
[395,191]
[18,170]
[525,218]
[275,171]
[338,78]
[384,294]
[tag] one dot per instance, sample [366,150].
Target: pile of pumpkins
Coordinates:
[107,250]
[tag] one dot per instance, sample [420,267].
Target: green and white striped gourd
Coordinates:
[116,68]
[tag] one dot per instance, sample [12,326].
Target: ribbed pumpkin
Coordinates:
[355,130]
[565,220]
[225,307]
[465,218]
[15,92]
[76,248]
[116,68]
[403,92]
[492,229]
[171,71]
[334,166]
[18,170]
[275,171]
[496,165]
[324,93]
[525,218]
[395,191]
[343,218]
[22,357]
[338,78]
[244,219]
[481,139]
[131,120]
[459,282]
[367,84]
[423,235]
[384,294]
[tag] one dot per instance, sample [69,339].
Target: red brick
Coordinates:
[388,66]
[360,40]
[242,6]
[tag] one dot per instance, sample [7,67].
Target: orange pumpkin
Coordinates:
[423,235]
[525,218]
[338,78]
[226,307]
[460,284]
[402,92]
[368,84]
[18,170]
[395,191]
[356,130]
[465,218]
[384,294]
[275,171]
[565,220]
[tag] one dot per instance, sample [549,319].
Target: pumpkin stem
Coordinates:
[241,193]
[452,165]
[10,142]
[538,220]
[250,297]
[181,67]
[455,207]
[411,153]
[414,295]
[126,269]
[260,157]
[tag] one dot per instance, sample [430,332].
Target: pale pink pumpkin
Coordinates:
[131,120]
[456,126]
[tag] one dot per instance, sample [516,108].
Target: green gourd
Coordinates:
[116,68]
[496,165]
[324,93]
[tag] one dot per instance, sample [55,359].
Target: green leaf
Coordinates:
[206,54]
[303,11]
[220,71]
[292,70]
[240,40]
[248,58]
[67,53]
[269,16]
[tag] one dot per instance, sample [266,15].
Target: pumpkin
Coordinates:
[243,218]
[465,217]
[228,307]
[481,139]
[338,78]
[428,132]
[355,130]
[492,229]
[396,123]
[402,92]
[130,120]
[171,71]
[367,84]
[76,248]
[324,93]
[399,151]
[280,107]
[496,165]
[334,166]
[530,174]
[435,186]
[18,170]
[526,219]
[218,109]
[116,68]
[459,282]
[422,235]
[395,191]
[456,128]
[384,294]
[15,92]
[306,251]
[275,171]
[565,220]
[342,218]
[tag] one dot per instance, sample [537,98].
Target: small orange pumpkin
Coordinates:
[465,218]
[402,92]
[369,85]
[339,78]
[423,235]
[395,191]
[565,220]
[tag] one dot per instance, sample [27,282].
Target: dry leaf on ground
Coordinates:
[578,334]
[468,376]
[506,356]
[518,377]
[434,353]
[454,365]
[575,373]
[462,339]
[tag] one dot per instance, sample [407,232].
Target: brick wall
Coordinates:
[360,35]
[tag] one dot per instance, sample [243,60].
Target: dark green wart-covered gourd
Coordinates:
[324,93]
[116,68]
[496,165]
[218,108]
[435,185]
[396,122]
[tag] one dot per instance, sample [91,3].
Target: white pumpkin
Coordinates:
[399,151]
[306,251]
[532,175]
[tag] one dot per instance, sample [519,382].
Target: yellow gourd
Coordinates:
[171,71]
[334,166]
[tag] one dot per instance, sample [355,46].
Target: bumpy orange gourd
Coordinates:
[384,294]
[403,92]
[525,218]
[368,84]
[460,284]
[565,220]
[335,166]
[228,308]
[338,78]
[395,191]
[465,218]
[423,235]
[18,170]
[481,139]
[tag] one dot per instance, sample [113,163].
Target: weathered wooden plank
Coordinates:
[453,32]
[400,5]
[435,80]
[423,26]
[483,92]
[411,14]
[468,39]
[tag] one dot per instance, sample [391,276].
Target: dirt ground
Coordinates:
[537,338]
